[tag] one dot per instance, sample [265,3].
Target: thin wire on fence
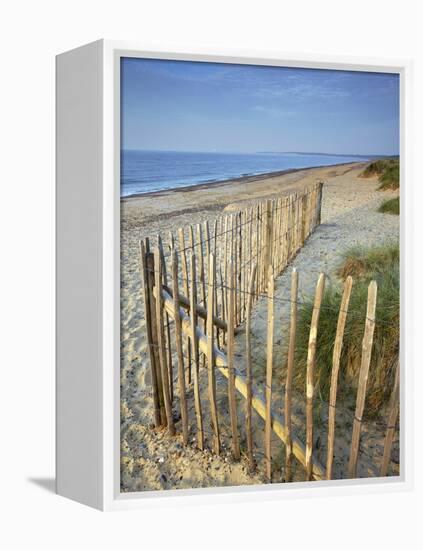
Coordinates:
[353,314]
[260,217]
[253,234]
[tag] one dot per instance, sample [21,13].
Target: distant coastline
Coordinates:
[312,153]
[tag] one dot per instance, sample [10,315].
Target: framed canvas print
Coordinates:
[230,283]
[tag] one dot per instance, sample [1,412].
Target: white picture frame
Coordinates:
[88,261]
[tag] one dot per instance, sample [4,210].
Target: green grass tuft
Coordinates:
[364,263]
[376,168]
[380,264]
[391,206]
[390,178]
[387,170]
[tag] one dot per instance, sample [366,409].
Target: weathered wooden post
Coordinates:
[154,337]
[169,345]
[249,368]
[392,420]
[211,354]
[268,242]
[311,363]
[366,355]
[195,353]
[148,297]
[319,202]
[161,340]
[269,372]
[179,352]
[336,360]
[231,353]
[289,374]
[185,281]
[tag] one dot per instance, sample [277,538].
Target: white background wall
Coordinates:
[31,33]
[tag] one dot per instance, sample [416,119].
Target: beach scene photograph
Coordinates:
[260,274]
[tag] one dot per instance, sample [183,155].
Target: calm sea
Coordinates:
[146,171]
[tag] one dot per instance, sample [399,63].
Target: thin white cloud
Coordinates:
[273,111]
[303,90]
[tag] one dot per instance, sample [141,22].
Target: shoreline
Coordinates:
[154,211]
[241,179]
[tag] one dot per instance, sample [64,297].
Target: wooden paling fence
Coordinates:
[194,300]
[268,232]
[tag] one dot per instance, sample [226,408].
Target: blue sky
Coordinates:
[193,106]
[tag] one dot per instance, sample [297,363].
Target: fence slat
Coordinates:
[249,368]
[222,299]
[202,277]
[169,346]
[260,249]
[268,240]
[207,238]
[238,296]
[148,322]
[231,353]
[290,230]
[250,249]
[295,221]
[213,245]
[161,340]
[179,352]
[241,246]
[191,238]
[319,203]
[200,255]
[311,362]
[195,353]
[185,282]
[235,260]
[211,355]
[269,372]
[171,241]
[257,246]
[289,374]
[286,232]
[225,264]
[336,359]
[366,355]
[155,340]
[392,420]
[278,243]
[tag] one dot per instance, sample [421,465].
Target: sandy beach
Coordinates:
[151,459]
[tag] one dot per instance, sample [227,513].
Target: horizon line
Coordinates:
[264,152]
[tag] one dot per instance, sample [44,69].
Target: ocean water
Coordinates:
[146,171]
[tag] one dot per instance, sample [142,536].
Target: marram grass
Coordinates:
[390,206]
[364,265]
[387,170]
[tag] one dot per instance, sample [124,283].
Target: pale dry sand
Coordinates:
[152,460]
